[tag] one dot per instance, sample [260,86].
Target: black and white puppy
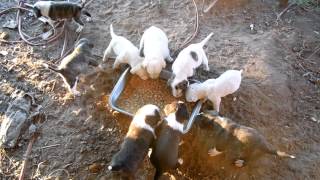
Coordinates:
[74,64]
[165,150]
[60,10]
[137,141]
[184,66]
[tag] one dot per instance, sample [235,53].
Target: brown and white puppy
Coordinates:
[74,64]
[126,53]
[60,10]
[239,143]
[165,150]
[154,49]
[137,141]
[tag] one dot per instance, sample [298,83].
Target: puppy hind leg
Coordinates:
[216,104]
[205,61]
[121,58]
[107,52]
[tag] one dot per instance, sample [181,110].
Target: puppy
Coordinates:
[164,154]
[60,10]
[154,48]
[183,67]
[137,141]
[74,64]
[214,89]
[239,143]
[126,53]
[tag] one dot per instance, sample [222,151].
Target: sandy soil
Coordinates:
[279,94]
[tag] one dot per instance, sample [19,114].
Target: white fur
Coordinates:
[44,7]
[155,48]
[139,119]
[215,89]
[173,123]
[184,66]
[126,52]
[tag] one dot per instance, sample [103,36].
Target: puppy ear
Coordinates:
[164,64]
[144,64]
[183,85]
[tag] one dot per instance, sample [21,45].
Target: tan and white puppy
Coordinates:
[214,89]
[165,150]
[154,49]
[136,142]
[183,67]
[126,53]
[60,10]
[75,64]
[238,143]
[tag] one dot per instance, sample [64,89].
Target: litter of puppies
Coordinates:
[148,128]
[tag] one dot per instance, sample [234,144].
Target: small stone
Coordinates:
[95,168]
[4,35]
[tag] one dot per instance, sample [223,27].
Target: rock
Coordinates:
[4,35]
[95,168]
[16,119]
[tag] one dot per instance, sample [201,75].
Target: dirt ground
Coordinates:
[279,94]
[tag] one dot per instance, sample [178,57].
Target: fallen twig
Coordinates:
[196,29]
[315,51]
[64,170]
[26,156]
[50,146]
[284,11]
[210,6]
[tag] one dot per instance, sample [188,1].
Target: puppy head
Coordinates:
[154,66]
[140,71]
[149,113]
[179,108]
[84,45]
[191,93]
[178,87]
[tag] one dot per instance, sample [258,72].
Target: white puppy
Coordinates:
[127,53]
[187,61]
[215,89]
[154,48]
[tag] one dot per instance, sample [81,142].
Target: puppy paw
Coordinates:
[180,161]
[79,29]
[239,163]
[76,93]
[214,152]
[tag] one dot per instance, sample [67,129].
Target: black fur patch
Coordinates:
[142,51]
[154,119]
[182,113]
[194,56]
[182,85]
[37,12]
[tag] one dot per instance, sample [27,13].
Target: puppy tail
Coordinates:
[284,154]
[269,149]
[204,42]
[47,66]
[114,168]
[157,175]
[112,32]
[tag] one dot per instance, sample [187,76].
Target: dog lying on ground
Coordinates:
[154,49]
[75,64]
[215,89]
[183,67]
[239,143]
[60,10]
[126,53]
[165,150]
[137,141]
